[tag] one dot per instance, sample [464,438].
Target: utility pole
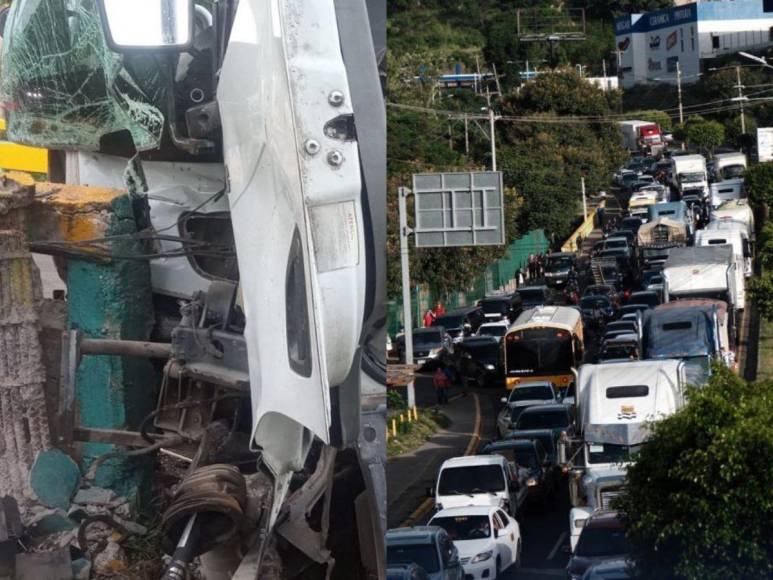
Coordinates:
[741,98]
[466,135]
[604,67]
[679,91]
[402,195]
[491,120]
[584,201]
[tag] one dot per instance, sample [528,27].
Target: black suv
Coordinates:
[505,306]
[461,322]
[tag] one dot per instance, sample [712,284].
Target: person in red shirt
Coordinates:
[429,318]
[440,381]
[439,310]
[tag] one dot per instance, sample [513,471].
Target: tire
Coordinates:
[517,563]
[498,568]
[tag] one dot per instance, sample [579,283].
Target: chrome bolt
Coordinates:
[335,158]
[335,98]
[311,146]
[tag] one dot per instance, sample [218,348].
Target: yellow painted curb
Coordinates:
[472,447]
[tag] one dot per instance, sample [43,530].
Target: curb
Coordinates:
[472,446]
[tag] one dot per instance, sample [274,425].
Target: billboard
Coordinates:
[458,209]
[764,144]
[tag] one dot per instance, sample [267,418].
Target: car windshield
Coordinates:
[610,453]
[691,177]
[426,338]
[471,479]
[531,393]
[424,555]
[546,439]
[532,295]
[449,321]
[648,298]
[498,330]
[556,419]
[598,541]
[461,528]
[494,306]
[616,352]
[610,244]
[591,302]
[732,171]
[558,263]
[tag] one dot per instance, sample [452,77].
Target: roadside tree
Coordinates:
[698,502]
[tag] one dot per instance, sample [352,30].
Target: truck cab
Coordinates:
[615,403]
[733,234]
[689,174]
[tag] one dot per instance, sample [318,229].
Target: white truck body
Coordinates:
[615,403]
[732,233]
[722,161]
[689,174]
[727,190]
[704,272]
[738,210]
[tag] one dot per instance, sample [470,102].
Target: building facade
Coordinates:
[651,47]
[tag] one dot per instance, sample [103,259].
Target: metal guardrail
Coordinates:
[584,229]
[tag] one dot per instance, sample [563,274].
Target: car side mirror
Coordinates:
[147,24]
[430,492]
[498,533]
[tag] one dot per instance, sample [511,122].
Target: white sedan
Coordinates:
[487,538]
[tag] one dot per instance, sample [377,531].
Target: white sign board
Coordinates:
[459,209]
[765,144]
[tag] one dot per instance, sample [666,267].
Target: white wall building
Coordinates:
[650,45]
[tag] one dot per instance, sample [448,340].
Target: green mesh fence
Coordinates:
[499,275]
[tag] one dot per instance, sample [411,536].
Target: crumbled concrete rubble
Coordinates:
[97,518]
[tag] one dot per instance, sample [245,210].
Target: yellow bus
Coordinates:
[544,344]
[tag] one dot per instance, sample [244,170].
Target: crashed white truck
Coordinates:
[615,401]
[253,130]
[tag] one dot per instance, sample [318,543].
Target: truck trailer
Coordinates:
[643,136]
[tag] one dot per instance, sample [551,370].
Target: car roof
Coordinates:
[497,323]
[472,460]
[470,510]
[604,519]
[414,535]
[509,444]
[550,407]
[533,384]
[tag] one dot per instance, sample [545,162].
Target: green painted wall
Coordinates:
[114,301]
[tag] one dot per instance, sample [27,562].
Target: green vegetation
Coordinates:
[697,503]
[765,351]
[700,133]
[413,435]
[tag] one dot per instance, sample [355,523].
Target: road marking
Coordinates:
[428,503]
[559,543]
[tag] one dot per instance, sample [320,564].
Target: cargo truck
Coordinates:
[615,402]
[729,165]
[704,272]
[643,136]
[689,175]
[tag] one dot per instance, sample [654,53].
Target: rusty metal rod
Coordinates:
[125,348]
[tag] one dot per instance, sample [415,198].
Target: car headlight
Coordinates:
[490,367]
[482,557]
[434,353]
[531,482]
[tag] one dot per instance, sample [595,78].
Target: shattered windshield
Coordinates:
[63,88]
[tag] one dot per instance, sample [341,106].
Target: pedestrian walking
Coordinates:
[600,217]
[429,318]
[439,309]
[440,382]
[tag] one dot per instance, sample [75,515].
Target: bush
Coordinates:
[698,501]
[759,183]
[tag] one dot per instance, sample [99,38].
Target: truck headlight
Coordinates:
[482,557]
